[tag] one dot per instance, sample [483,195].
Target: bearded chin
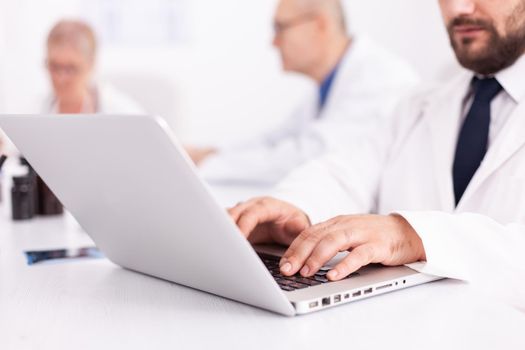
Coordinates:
[496,54]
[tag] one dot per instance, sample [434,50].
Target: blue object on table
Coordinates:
[62,255]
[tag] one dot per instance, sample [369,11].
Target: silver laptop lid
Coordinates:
[134,191]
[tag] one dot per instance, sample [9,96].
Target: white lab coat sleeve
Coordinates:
[266,159]
[347,181]
[473,248]
[320,188]
[259,164]
[338,183]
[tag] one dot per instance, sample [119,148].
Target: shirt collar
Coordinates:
[328,82]
[513,79]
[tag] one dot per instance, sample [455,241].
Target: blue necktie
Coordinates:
[473,138]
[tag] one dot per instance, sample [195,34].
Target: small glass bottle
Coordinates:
[23,198]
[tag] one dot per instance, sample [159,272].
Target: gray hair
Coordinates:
[74,33]
[334,8]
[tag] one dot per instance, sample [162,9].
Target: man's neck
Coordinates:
[331,59]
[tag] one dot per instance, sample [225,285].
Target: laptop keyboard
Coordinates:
[297,281]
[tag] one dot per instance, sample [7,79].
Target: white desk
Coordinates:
[97,305]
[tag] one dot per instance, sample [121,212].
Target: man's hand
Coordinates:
[268,220]
[389,240]
[198,155]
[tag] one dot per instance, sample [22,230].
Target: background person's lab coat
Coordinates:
[407,169]
[109,101]
[367,86]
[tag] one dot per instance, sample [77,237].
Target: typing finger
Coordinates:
[236,211]
[300,249]
[358,257]
[327,248]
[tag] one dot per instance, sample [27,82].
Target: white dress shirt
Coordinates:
[505,102]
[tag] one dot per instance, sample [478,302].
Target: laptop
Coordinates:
[134,190]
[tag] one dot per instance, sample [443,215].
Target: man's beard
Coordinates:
[498,53]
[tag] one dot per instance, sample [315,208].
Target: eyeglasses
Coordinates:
[66,69]
[281,27]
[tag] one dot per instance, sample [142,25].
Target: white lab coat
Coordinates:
[367,87]
[110,101]
[406,168]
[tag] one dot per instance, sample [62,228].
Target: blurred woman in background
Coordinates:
[71,58]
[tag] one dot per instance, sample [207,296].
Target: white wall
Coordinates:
[3,48]
[411,28]
[226,80]
[25,25]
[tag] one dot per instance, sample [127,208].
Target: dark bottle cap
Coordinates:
[24,161]
[3,158]
[22,180]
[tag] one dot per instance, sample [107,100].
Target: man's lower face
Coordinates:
[481,48]
[474,43]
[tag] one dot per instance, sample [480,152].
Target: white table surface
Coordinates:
[95,304]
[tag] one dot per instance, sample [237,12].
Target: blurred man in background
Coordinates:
[71,57]
[358,84]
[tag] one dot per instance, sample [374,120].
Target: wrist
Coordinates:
[410,237]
